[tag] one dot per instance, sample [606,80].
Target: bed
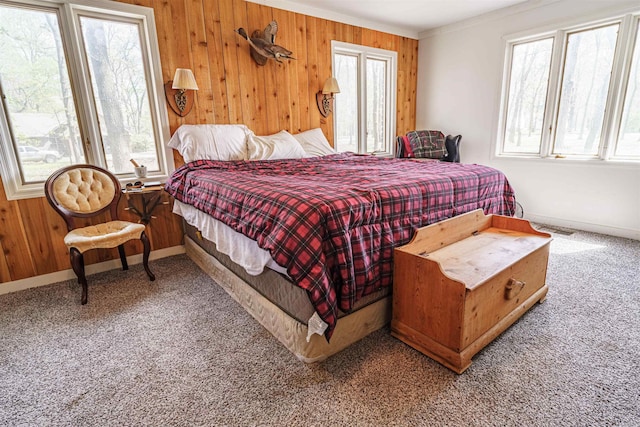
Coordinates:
[303,238]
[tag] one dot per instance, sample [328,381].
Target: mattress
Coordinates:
[271,284]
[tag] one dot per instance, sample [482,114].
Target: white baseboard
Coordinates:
[584,226]
[60,276]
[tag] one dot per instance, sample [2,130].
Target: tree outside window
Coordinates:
[78,92]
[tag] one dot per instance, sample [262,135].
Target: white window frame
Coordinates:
[69,12]
[391,59]
[628,26]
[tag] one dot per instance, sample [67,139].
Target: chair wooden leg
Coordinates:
[77,263]
[145,255]
[123,257]
[80,261]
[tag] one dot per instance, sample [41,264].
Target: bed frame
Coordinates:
[290,331]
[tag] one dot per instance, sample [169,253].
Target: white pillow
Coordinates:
[314,143]
[211,142]
[281,145]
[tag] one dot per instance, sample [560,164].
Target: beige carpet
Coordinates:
[180,352]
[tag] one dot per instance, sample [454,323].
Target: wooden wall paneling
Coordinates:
[401,104]
[32,212]
[245,66]
[146,3]
[313,73]
[302,68]
[357,35]
[13,240]
[230,46]
[331,35]
[401,90]
[163,18]
[390,42]
[340,32]
[167,225]
[268,97]
[16,259]
[324,37]
[368,37]
[413,78]
[292,70]
[258,17]
[203,102]
[179,31]
[346,33]
[216,61]
[409,114]
[5,274]
[167,45]
[271,87]
[183,57]
[286,38]
[57,230]
[380,40]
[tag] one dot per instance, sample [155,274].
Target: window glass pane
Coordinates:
[530,64]
[629,136]
[38,98]
[585,84]
[376,105]
[119,84]
[346,103]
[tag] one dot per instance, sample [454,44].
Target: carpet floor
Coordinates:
[180,352]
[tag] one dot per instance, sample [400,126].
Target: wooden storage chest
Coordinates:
[461,282]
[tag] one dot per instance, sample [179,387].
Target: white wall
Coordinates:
[459,82]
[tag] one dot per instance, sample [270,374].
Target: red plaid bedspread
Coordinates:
[334,221]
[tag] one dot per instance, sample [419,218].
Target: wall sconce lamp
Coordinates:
[324,97]
[176,91]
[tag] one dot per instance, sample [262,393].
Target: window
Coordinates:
[574,93]
[80,83]
[364,113]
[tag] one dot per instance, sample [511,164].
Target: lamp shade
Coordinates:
[330,86]
[184,79]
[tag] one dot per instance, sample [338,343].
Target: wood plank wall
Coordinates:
[198,34]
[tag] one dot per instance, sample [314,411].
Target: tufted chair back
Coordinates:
[81,191]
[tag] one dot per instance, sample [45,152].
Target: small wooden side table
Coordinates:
[150,197]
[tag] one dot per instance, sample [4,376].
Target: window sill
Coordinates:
[572,160]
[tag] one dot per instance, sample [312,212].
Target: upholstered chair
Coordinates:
[429,144]
[82,191]
[452,144]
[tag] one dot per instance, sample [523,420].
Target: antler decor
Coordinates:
[263,44]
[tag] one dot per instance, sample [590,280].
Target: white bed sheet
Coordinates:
[241,249]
